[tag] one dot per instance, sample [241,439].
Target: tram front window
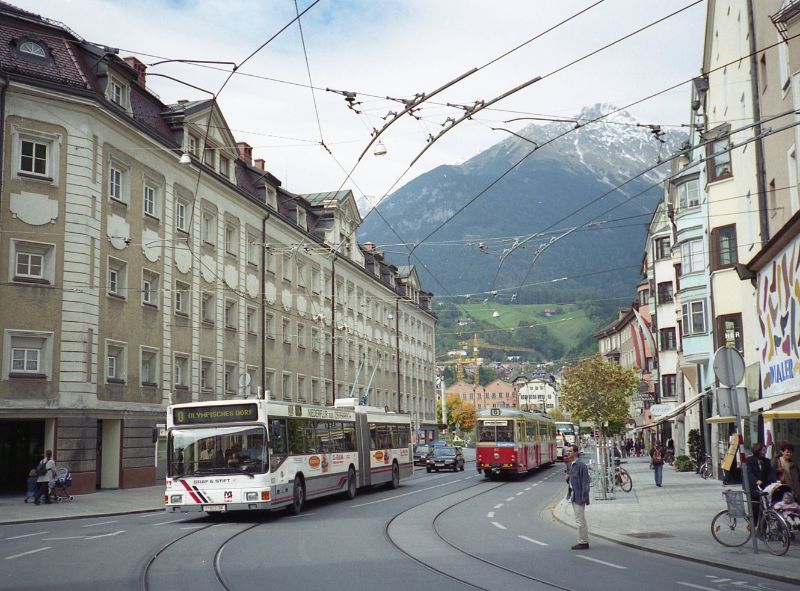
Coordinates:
[501,433]
[221,450]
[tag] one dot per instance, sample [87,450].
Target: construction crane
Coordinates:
[460,362]
[477,345]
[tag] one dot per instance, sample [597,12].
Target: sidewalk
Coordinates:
[676,520]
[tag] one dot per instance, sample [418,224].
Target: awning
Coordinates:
[770,401]
[721,420]
[677,411]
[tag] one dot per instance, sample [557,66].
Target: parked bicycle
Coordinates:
[706,468]
[731,527]
[622,479]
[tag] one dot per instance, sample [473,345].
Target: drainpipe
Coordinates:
[397,345]
[4,82]
[333,329]
[759,145]
[264,305]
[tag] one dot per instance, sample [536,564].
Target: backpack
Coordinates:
[657,459]
[41,469]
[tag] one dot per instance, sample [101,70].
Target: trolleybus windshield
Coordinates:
[216,450]
[492,430]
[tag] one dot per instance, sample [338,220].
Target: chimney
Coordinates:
[259,164]
[141,70]
[245,152]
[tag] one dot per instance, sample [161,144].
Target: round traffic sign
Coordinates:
[728,366]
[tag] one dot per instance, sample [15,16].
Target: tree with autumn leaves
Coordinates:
[598,391]
[459,414]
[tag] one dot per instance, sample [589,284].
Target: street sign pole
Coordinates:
[729,368]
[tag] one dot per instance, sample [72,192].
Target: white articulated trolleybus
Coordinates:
[259,454]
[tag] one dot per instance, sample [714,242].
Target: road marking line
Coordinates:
[490,515]
[714,579]
[65,538]
[537,484]
[509,499]
[520,493]
[528,488]
[603,562]
[695,586]
[499,525]
[413,492]
[193,527]
[116,533]
[38,533]
[532,541]
[154,514]
[29,552]
[498,505]
[96,524]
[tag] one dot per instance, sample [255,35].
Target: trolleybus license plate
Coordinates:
[214,508]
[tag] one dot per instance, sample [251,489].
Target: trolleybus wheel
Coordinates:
[351,484]
[298,496]
[395,482]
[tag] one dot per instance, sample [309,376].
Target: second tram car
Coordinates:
[513,441]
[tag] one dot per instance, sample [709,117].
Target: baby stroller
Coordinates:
[59,486]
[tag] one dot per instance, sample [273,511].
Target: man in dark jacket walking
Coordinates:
[577,476]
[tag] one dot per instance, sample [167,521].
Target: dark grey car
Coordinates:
[444,458]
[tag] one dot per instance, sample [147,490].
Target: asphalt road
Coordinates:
[441,532]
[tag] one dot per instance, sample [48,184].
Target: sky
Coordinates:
[396,48]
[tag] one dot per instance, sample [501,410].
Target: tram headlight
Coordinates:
[176,499]
[497,455]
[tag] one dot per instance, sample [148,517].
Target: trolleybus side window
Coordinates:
[380,436]
[302,438]
[348,437]
[401,436]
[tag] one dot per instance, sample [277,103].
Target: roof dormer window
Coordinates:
[33,48]
[117,92]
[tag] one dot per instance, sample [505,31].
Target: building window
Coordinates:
[231,314]
[692,257]
[668,386]
[27,354]
[723,247]
[116,93]
[269,326]
[181,371]
[181,216]
[301,217]
[224,167]
[272,197]
[117,277]
[693,315]
[315,339]
[210,156]
[286,266]
[206,375]
[644,297]
[182,298]
[231,239]
[662,246]
[252,320]
[689,194]
[729,331]
[719,159]
[269,384]
[286,330]
[116,362]
[192,144]
[668,342]
[33,262]
[208,309]
[33,48]
[301,275]
[286,387]
[33,157]
[208,230]
[665,292]
[149,371]
[301,335]
[230,378]
[315,391]
[270,258]
[150,287]
[253,249]
[118,183]
[301,388]
[150,199]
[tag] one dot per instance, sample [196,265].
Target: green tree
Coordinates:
[460,415]
[486,375]
[557,414]
[598,391]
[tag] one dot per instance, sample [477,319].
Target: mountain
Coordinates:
[557,190]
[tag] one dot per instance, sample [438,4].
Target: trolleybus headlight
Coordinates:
[175,499]
[251,496]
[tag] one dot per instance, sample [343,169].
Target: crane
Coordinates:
[477,345]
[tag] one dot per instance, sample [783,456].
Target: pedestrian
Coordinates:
[786,469]
[759,474]
[670,451]
[30,494]
[577,477]
[45,472]
[657,459]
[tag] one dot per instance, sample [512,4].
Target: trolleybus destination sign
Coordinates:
[231,413]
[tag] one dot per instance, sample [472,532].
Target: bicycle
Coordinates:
[706,468]
[622,479]
[731,527]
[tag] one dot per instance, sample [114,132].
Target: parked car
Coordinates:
[444,458]
[421,451]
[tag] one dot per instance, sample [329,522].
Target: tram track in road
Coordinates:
[145,578]
[527,578]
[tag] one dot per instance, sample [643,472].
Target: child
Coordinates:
[789,509]
[31,493]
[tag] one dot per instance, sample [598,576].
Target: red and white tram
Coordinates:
[514,441]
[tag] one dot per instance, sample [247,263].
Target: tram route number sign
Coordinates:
[200,415]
